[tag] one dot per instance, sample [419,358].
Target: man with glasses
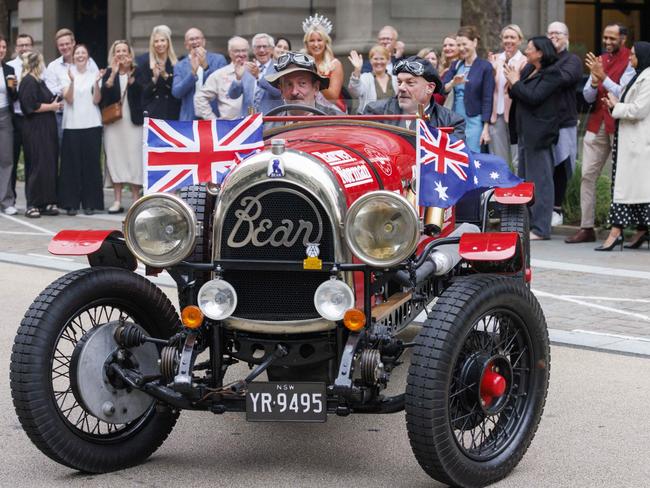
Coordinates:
[570,68]
[250,81]
[417,81]
[610,72]
[387,37]
[215,88]
[193,70]
[24,44]
[297,78]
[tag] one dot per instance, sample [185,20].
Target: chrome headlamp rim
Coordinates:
[187,213]
[409,211]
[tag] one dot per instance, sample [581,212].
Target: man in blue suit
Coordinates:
[250,78]
[191,72]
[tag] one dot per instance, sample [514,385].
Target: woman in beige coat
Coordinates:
[631,171]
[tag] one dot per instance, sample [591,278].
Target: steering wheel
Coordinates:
[291,107]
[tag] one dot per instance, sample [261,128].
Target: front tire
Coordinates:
[484,330]
[42,368]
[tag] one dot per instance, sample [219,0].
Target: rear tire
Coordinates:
[457,435]
[42,367]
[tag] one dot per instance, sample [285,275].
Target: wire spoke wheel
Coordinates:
[78,418]
[478,380]
[52,372]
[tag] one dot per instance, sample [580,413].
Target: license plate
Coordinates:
[286,402]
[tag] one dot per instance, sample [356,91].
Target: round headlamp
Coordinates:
[333,298]
[160,229]
[382,228]
[217,299]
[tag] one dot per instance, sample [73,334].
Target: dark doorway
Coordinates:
[587,19]
[91,27]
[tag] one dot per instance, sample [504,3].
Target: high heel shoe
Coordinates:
[617,242]
[639,242]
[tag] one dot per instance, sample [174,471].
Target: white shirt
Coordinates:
[82,113]
[4,96]
[17,65]
[56,74]
[217,86]
[501,80]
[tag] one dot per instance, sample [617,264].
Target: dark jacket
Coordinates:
[114,94]
[439,116]
[479,87]
[12,93]
[570,68]
[536,99]
[157,98]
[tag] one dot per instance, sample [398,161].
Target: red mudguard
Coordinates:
[103,247]
[488,246]
[517,195]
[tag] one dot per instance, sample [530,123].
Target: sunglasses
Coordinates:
[414,67]
[299,59]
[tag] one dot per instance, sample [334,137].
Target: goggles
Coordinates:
[413,67]
[298,59]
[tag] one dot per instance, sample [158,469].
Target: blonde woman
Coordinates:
[501,145]
[430,55]
[123,138]
[318,44]
[377,85]
[156,75]
[450,54]
[40,137]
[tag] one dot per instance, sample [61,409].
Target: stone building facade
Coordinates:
[421,23]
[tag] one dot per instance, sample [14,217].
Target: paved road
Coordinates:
[593,434]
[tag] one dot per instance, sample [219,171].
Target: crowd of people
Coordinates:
[519,104]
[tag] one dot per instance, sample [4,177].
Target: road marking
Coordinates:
[591,305]
[585,268]
[611,299]
[617,336]
[46,256]
[28,224]
[21,233]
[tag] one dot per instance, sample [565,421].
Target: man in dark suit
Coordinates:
[417,81]
[8,92]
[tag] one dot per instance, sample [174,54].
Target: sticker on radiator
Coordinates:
[275,168]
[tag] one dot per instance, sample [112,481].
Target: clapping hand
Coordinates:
[399,49]
[511,74]
[595,65]
[356,60]
[610,100]
[253,68]
[70,75]
[239,70]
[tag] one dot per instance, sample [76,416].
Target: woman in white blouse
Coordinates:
[378,84]
[80,175]
[500,142]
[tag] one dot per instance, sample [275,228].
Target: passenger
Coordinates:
[417,82]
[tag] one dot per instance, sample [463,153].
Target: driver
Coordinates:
[299,82]
[417,81]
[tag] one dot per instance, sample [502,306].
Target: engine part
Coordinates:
[371,367]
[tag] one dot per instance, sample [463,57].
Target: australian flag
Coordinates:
[181,153]
[448,169]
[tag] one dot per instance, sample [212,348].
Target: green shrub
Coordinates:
[571,204]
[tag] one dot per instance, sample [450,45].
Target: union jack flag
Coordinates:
[448,169]
[182,153]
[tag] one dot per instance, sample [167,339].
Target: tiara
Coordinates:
[317,20]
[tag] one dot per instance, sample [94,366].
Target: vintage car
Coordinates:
[307,264]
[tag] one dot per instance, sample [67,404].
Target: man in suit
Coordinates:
[24,44]
[610,73]
[387,37]
[250,78]
[7,97]
[193,70]
[417,81]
